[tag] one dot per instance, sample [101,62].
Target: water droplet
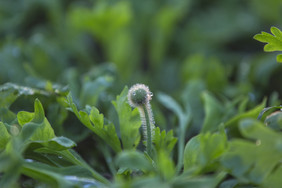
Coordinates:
[258,142]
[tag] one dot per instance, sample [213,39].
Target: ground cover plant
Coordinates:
[130,94]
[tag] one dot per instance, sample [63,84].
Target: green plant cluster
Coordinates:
[65,120]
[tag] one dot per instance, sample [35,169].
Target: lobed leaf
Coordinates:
[164,141]
[274,42]
[95,122]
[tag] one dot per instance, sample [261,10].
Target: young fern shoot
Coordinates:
[139,96]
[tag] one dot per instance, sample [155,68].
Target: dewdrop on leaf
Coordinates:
[139,96]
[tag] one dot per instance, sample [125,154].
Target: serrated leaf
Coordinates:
[164,141]
[274,42]
[129,121]
[36,126]
[95,122]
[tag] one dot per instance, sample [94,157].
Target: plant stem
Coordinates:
[148,127]
[180,151]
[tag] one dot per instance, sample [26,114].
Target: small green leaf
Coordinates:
[274,42]
[214,112]
[95,122]
[164,141]
[35,126]
[129,121]
[24,117]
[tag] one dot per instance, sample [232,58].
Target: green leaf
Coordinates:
[57,143]
[4,136]
[129,121]
[59,177]
[165,165]
[95,122]
[214,112]
[35,126]
[274,178]
[133,160]
[74,158]
[267,109]
[232,124]
[10,164]
[91,90]
[279,58]
[274,42]
[164,141]
[274,120]
[9,92]
[202,151]
[44,131]
[24,117]
[184,120]
[254,159]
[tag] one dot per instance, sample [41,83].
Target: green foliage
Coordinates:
[129,121]
[35,140]
[203,151]
[250,160]
[274,42]
[64,121]
[133,160]
[164,141]
[95,122]
[214,113]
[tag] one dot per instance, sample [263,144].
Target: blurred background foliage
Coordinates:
[94,48]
